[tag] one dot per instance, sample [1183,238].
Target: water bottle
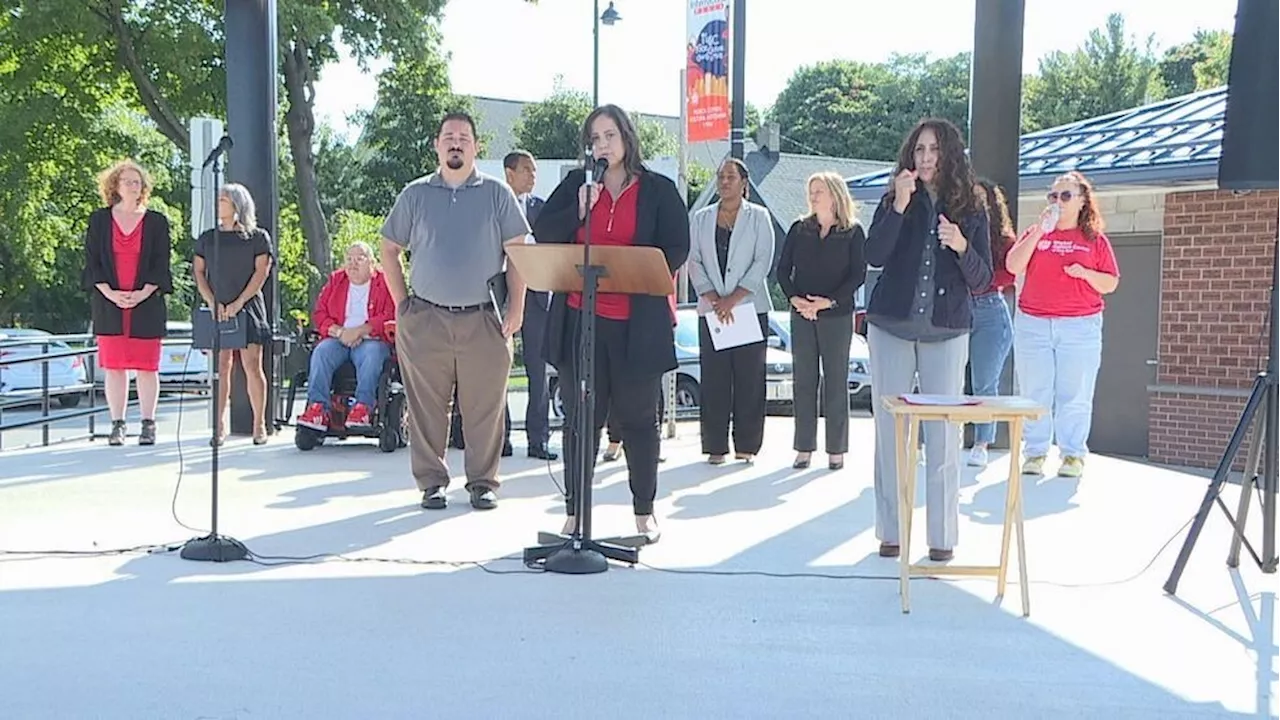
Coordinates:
[1051,220]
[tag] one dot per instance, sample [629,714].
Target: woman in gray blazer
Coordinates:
[730,255]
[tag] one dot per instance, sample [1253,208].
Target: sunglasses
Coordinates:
[1065,196]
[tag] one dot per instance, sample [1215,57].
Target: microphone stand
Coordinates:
[580,554]
[214,547]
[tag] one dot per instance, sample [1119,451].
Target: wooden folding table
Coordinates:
[907,419]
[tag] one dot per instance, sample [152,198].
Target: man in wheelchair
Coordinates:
[350,316]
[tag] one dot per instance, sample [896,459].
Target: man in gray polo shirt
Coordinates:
[454,223]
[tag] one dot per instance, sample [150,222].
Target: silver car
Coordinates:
[859,354]
[24,382]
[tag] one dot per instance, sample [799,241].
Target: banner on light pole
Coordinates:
[707,71]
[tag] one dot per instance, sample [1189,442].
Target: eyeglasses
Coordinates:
[1065,196]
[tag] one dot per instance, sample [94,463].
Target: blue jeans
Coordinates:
[369,357]
[1057,361]
[989,344]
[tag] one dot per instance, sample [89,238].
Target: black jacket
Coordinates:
[149,316]
[662,221]
[895,242]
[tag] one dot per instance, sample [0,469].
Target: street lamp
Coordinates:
[608,17]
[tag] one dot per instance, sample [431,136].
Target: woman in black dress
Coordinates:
[235,290]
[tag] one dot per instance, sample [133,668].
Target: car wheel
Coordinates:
[69,401]
[688,394]
[557,403]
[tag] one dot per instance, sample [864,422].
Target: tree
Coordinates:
[1108,73]
[397,144]
[853,109]
[1200,64]
[552,128]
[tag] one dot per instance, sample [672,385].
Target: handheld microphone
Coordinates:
[595,167]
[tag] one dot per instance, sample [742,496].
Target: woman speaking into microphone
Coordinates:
[634,340]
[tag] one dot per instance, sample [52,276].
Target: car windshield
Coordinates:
[687,331]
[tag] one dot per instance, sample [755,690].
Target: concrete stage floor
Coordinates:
[153,636]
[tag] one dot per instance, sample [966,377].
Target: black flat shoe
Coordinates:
[542,453]
[801,464]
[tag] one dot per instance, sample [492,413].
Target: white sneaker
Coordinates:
[978,456]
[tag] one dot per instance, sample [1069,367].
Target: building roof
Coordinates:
[1173,141]
[779,179]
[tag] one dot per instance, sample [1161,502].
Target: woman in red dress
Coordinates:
[127,274]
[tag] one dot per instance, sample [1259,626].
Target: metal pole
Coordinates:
[595,55]
[738,103]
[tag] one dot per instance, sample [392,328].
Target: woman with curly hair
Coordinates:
[1067,266]
[930,234]
[126,274]
[991,339]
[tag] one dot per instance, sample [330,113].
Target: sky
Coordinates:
[513,50]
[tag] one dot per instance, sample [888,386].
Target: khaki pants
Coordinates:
[438,349]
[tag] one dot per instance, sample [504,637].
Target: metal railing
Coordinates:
[80,346]
[85,346]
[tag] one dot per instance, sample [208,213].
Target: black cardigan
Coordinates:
[149,316]
[895,242]
[662,221]
[831,267]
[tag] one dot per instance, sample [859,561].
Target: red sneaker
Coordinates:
[314,417]
[358,417]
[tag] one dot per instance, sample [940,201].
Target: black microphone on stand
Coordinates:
[215,547]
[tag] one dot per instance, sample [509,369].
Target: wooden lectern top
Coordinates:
[630,270]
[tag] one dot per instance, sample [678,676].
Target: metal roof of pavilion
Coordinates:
[1173,141]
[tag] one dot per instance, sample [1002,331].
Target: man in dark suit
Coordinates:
[522,174]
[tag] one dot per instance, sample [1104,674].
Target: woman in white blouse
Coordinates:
[730,255]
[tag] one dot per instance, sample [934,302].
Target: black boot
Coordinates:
[148,436]
[117,433]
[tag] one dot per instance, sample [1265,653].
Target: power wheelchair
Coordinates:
[390,415]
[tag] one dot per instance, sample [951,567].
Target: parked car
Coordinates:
[778,383]
[859,354]
[25,381]
[180,364]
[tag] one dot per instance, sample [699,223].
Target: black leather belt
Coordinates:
[460,308]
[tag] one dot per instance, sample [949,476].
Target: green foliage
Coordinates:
[698,177]
[398,144]
[552,128]
[862,110]
[1197,65]
[1110,72]
[351,226]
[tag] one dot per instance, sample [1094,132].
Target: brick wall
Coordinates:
[1214,296]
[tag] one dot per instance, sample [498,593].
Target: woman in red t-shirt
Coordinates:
[1057,337]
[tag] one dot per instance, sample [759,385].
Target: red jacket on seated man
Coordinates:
[331,306]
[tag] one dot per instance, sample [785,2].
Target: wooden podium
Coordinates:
[565,268]
[558,268]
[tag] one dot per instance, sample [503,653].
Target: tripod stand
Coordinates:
[214,547]
[1263,399]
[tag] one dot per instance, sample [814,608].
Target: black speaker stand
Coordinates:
[1260,415]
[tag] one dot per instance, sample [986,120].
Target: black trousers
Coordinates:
[611,425]
[536,424]
[733,392]
[623,399]
[823,343]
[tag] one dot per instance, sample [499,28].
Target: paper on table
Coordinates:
[942,400]
[744,330]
